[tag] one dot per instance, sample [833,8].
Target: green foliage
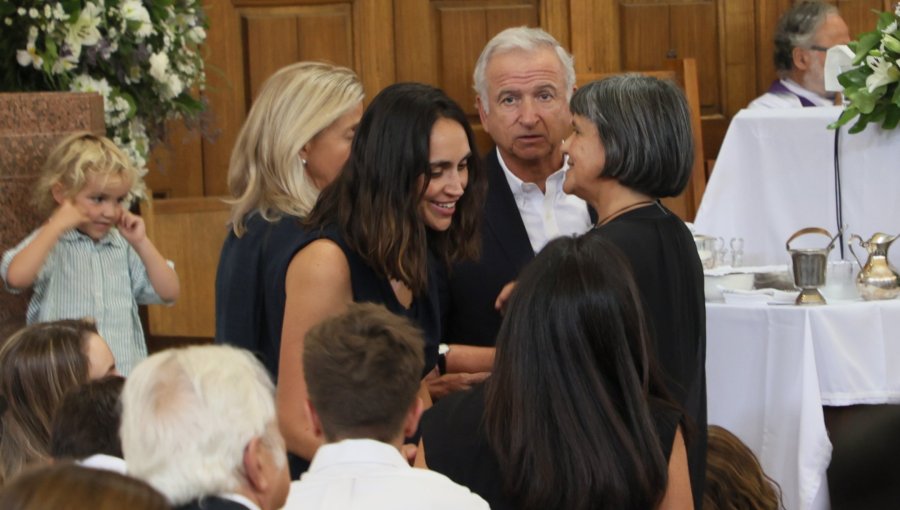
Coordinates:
[872,88]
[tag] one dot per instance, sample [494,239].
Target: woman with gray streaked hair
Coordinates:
[632,145]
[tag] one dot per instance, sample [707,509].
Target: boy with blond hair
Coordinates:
[92,257]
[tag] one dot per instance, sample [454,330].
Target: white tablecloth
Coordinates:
[770,369]
[775,175]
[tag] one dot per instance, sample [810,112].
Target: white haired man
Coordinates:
[199,425]
[803,35]
[523,80]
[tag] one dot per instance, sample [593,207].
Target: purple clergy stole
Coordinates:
[778,88]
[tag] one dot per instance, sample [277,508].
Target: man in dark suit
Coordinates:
[524,80]
[199,425]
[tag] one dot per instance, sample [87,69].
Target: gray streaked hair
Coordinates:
[526,39]
[796,29]
[187,416]
[644,125]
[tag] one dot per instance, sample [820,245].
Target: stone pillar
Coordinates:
[30,125]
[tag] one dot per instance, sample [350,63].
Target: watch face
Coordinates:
[443,349]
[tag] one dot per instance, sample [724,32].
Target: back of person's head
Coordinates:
[797,28]
[87,421]
[38,365]
[79,157]
[295,104]
[189,414]
[567,405]
[67,486]
[734,478]
[362,371]
[644,125]
[376,199]
[520,39]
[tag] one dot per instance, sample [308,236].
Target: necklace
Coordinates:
[617,212]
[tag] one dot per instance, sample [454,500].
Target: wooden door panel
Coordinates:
[276,37]
[327,35]
[595,36]
[271,43]
[859,16]
[646,35]
[738,64]
[463,35]
[694,34]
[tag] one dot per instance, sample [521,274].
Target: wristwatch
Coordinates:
[443,350]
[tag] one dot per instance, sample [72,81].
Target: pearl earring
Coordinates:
[303,161]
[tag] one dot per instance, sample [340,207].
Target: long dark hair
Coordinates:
[566,410]
[374,202]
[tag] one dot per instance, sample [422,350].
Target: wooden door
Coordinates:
[438,41]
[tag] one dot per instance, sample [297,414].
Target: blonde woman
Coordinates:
[294,142]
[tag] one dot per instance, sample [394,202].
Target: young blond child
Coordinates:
[92,257]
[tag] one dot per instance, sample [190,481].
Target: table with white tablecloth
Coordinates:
[771,368]
[775,175]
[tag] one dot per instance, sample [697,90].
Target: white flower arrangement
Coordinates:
[872,89]
[142,56]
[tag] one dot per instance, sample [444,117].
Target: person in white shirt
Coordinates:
[803,35]
[199,425]
[363,370]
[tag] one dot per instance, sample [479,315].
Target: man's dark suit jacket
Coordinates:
[472,287]
[212,503]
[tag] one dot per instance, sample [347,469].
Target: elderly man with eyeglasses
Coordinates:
[804,34]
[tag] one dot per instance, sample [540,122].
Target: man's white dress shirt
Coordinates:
[369,474]
[548,214]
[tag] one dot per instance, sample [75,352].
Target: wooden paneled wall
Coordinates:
[438,41]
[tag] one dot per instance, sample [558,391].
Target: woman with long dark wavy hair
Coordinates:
[574,415]
[406,205]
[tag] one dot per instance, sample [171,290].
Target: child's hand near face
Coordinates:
[68,216]
[132,228]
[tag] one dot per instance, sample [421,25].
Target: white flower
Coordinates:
[134,75]
[890,29]
[59,13]
[64,65]
[196,35]
[48,12]
[21,11]
[145,30]
[29,57]
[84,32]
[175,85]
[884,73]
[134,10]
[33,13]
[85,83]
[8,22]
[159,67]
